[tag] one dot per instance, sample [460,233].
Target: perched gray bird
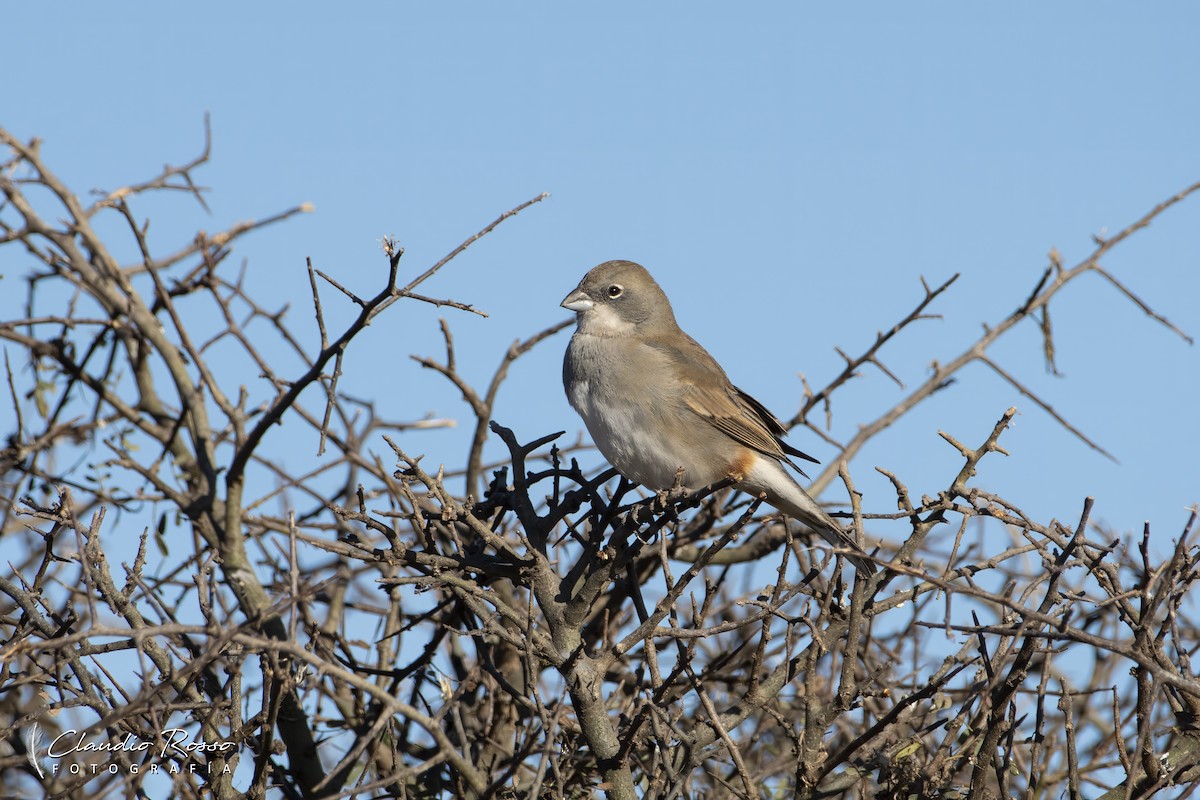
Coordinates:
[654,400]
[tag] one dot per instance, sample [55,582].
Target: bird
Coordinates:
[655,401]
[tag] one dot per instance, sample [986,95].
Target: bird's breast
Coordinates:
[632,406]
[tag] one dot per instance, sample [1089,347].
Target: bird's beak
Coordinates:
[577,301]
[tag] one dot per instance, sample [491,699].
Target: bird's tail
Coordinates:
[785,494]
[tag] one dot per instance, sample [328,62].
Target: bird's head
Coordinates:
[617,297]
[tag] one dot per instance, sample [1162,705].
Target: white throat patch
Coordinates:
[603,320]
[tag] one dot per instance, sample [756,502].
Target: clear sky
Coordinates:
[787,171]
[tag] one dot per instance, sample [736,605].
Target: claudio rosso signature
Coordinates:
[170,742]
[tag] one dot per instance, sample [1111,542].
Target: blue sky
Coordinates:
[786,172]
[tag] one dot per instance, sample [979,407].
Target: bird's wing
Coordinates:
[708,392]
[774,425]
[717,406]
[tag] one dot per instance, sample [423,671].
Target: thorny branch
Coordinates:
[351,626]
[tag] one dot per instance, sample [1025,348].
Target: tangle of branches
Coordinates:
[185,612]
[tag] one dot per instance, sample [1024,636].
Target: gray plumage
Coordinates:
[654,400]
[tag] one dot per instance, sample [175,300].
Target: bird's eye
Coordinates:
[615,291]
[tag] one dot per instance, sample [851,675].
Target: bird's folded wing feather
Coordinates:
[718,408]
[708,392]
[774,425]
